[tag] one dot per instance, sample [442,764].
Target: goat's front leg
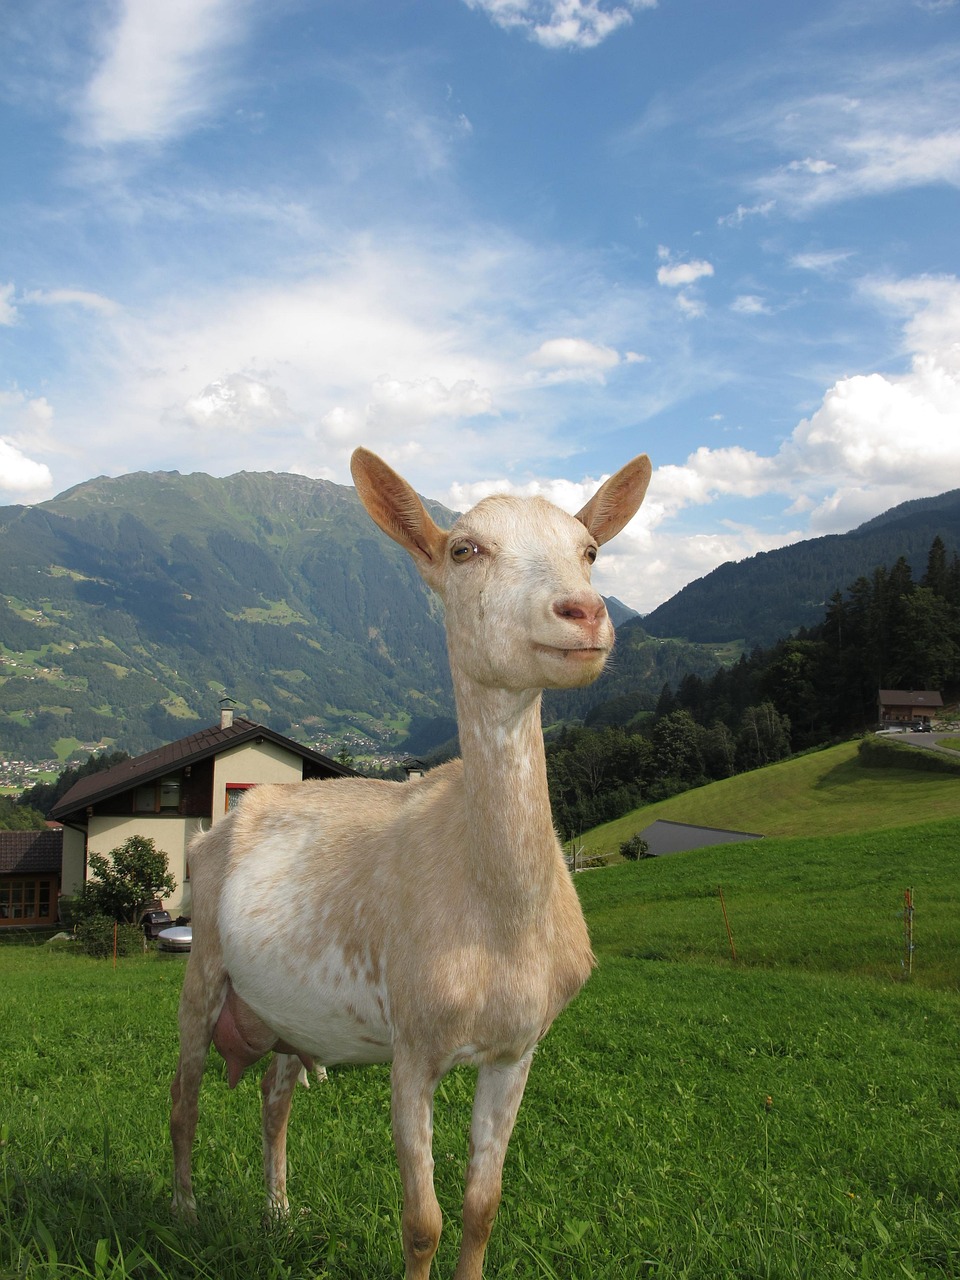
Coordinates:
[495,1106]
[413,1088]
[277,1088]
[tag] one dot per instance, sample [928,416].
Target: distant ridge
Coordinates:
[774,593]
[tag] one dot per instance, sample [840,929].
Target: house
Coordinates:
[902,706]
[30,876]
[176,791]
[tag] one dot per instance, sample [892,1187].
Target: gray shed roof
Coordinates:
[675,837]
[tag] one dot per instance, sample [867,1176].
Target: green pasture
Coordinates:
[823,793]
[793,1115]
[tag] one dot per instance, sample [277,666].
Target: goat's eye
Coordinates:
[591,554]
[463,550]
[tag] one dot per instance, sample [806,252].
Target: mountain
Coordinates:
[772,594]
[130,606]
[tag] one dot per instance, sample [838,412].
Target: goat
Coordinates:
[428,923]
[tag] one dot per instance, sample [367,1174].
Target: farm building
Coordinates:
[30,876]
[176,791]
[908,706]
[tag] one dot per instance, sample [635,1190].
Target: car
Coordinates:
[177,938]
[151,922]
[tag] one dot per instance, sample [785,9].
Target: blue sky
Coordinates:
[505,243]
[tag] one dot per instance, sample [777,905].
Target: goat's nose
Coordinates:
[582,608]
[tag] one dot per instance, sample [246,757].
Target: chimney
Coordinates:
[226,713]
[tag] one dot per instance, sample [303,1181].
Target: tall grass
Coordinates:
[790,1117]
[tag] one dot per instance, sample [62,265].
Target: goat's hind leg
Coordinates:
[201,1000]
[277,1088]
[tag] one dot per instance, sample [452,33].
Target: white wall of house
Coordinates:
[252,764]
[170,834]
[71,870]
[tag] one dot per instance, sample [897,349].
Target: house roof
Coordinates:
[175,755]
[31,852]
[665,837]
[910,698]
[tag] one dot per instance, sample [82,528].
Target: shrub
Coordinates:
[634,848]
[95,936]
[127,880]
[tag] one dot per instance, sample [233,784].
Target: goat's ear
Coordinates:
[617,500]
[394,506]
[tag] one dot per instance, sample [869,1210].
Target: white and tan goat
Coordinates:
[429,923]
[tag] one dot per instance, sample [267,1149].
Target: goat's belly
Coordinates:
[317,1011]
[315,982]
[325,1005]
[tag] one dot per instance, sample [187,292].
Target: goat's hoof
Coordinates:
[183,1209]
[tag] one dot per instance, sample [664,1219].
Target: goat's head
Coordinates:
[514,574]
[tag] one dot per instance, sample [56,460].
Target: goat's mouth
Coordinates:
[573,653]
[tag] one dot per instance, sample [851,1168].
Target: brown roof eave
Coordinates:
[112,782]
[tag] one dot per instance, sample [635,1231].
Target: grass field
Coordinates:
[791,1116]
[825,793]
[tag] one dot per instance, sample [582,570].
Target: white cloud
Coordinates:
[575,360]
[748,304]
[22,479]
[574,353]
[743,212]
[876,439]
[892,125]
[404,404]
[237,402]
[561,24]
[159,72]
[71,297]
[676,274]
[8,311]
[820,260]
[690,306]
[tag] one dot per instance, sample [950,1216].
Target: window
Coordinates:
[27,901]
[235,792]
[161,796]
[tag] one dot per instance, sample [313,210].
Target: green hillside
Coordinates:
[823,793]
[129,606]
[817,903]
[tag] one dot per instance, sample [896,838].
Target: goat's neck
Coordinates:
[513,847]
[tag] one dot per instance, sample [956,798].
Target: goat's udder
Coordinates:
[242,1038]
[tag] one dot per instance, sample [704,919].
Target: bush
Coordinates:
[95,936]
[126,881]
[634,848]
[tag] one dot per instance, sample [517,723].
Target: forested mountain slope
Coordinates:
[129,606]
[772,594]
